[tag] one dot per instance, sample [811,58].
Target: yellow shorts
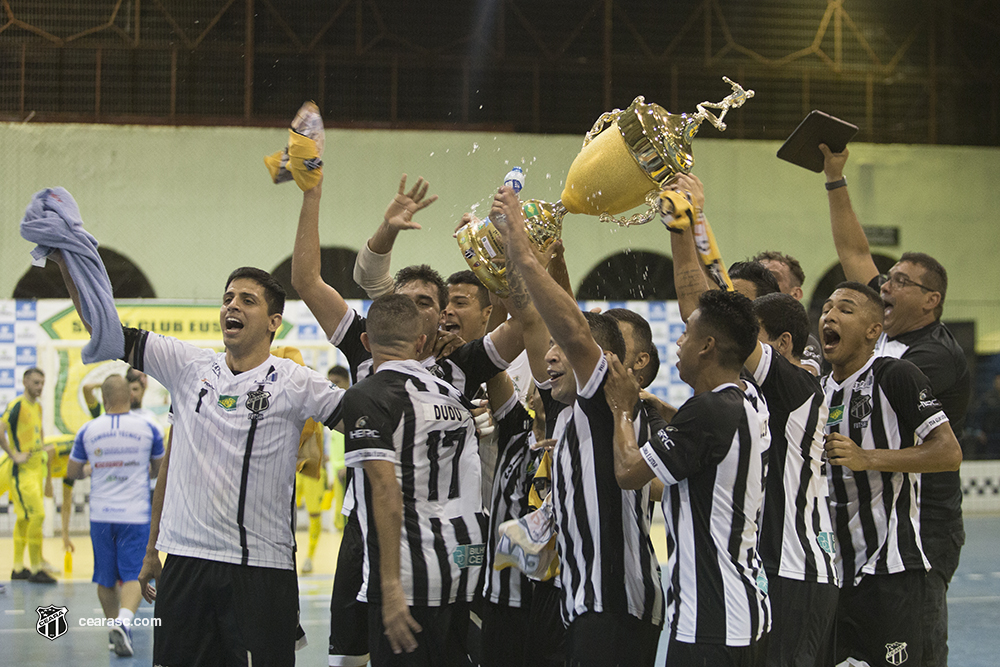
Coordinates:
[27,487]
[309,490]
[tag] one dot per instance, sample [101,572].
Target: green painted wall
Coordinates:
[190,204]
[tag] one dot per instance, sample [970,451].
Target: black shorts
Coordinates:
[348,617]
[546,632]
[441,641]
[214,614]
[605,639]
[802,614]
[682,654]
[504,635]
[881,619]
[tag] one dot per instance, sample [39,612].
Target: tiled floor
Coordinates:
[974,604]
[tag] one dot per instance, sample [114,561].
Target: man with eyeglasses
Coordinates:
[913,293]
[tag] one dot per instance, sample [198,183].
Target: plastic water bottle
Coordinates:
[68,563]
[514,179]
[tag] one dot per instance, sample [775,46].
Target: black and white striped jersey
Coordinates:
[509,498]
[796,532]
[406,415]
[887,404]
[230,491]
[466,369]
[606,557]
[711,457]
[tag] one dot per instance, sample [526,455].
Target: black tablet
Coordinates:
[802,146]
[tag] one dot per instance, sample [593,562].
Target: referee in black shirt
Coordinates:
[914,292]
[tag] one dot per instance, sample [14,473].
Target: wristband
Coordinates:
[833,185]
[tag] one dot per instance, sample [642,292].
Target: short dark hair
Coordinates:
[935,275]
[469,278]
[274,293]
[779,313]
[423,273]
[793,264]
[133,375]
[648,373]
[392,319]
[338,370]
[606,333]
[875,305]
[763,280]
[729,318]
[32,371]
[640,327]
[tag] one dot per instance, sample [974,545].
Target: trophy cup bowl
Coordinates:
[627,158]
[483,249]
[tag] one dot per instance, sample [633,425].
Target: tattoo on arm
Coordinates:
[518,292]
[690,282]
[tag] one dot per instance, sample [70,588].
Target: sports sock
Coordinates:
[20,540]
[34,540]
[315,529]
[125,617]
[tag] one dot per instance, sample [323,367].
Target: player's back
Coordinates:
[119,448]
[405,415]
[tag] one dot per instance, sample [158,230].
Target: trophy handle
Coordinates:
[606,119]
[652,209]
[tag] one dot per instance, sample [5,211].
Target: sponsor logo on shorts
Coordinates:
[895,653]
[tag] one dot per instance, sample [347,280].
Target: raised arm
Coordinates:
[371,268]
[325,303]
[848,237]
[558,310]
[689,276]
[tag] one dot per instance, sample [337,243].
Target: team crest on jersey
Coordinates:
[827,542]
[861,407]
[895,653]
[836,415]
[257,402]
[228,403]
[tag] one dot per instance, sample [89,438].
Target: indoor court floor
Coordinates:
[974,606]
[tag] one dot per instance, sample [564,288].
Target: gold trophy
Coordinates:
[627,158]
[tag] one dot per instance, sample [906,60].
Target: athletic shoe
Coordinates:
[121,637]
[23,575]
[41,577]
[50,568]
[307,566]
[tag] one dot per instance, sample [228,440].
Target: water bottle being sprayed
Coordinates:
[515,181]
